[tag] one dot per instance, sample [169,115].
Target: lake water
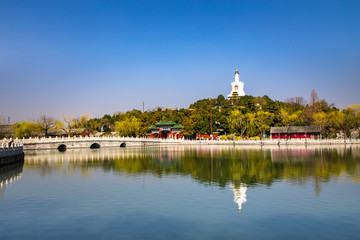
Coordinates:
[183,192]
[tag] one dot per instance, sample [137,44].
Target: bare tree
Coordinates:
[296,101]
[2,119]
[70,124]
[5,129]
[313,97]
[46,123]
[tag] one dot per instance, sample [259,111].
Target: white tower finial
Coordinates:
[237,78]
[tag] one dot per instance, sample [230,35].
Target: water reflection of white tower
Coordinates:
[239,194]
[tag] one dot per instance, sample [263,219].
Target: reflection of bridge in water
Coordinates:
[78,155]
[10,174]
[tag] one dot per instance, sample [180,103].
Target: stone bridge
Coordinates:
[85,142]
[64,143]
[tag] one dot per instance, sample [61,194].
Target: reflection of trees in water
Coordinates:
[9,174]
[319,164]
[235,165]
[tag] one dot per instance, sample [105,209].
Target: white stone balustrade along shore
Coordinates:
[110,141]
[11,152]
[5,150]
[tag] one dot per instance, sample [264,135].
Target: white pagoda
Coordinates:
[237,87]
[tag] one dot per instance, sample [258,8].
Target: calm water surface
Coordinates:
[183,192]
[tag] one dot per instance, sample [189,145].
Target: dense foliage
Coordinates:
[239,117]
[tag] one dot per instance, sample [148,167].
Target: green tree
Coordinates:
[130,127]
[344,121]
[239,121]
[220,100]
[263,121]
[252,129]
[94,125]
[27,129]
[289,118]
[189,126]
[322,119]
[83,120]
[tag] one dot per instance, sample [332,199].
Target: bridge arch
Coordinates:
[123,145]
[62,147]
[94,145]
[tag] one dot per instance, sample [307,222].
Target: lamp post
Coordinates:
[210,119]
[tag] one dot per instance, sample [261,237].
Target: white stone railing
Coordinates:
[9,151]
[4,146]
[20,142]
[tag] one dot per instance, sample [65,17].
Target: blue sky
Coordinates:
[100,57]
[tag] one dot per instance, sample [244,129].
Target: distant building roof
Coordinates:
[171,109]
[296,129]
[166,126]
[164,123]
[6,126]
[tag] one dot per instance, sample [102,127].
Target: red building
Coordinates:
[165,130]
[295,132]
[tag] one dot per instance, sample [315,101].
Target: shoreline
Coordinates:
[272,142]
[117,142]
[137,142]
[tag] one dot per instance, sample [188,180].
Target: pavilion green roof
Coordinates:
[153,127]
[178,126]
[165,123]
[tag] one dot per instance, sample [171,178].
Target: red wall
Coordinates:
[290,136]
